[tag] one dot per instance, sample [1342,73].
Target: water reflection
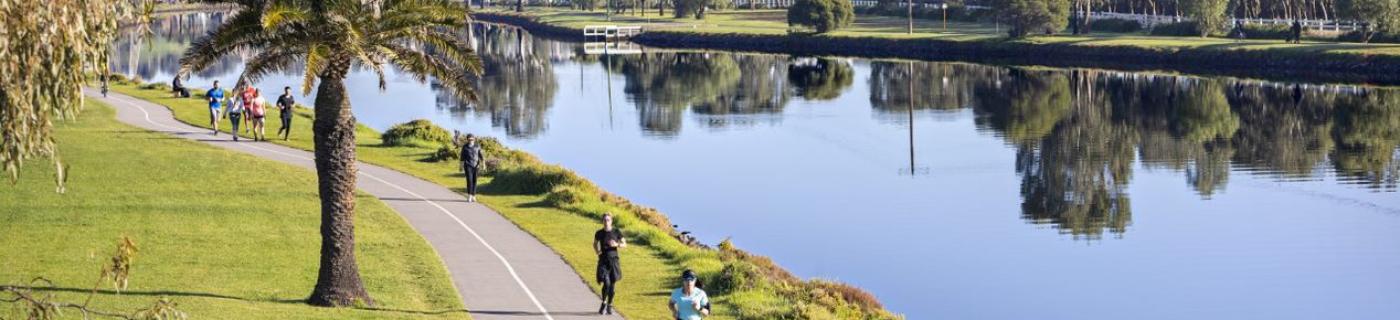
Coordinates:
[1011,159]
[517,84]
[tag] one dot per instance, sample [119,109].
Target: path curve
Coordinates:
[500,271]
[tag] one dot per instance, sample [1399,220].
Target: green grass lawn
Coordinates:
[649,276]
[774,22]
[224,234]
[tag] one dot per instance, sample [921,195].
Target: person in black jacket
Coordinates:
[471,164]
[606,242]
[1296,32]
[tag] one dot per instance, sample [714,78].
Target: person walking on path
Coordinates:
[215,95]
[1296,32]
[258,109]
[284,105]
[235,114]
[247,97]
[471,165]
[606,242]
[689,302]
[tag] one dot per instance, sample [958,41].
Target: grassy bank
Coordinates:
[881,37]
[563,210]
[225,235]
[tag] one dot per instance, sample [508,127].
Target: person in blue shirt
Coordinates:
[689,302]
[215,96]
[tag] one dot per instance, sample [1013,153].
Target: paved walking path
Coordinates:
[501,271]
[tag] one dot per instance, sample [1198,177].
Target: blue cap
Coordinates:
[688,275]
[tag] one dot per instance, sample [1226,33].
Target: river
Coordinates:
[950,190]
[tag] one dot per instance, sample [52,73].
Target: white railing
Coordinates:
[611,48]
[611,32]
[1148,20]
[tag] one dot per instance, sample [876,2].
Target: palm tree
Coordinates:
[330,37]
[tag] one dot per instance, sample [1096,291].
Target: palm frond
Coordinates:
[243,30]
[452,48]
[315,63]
[456,80]
[281,14]
[273,60]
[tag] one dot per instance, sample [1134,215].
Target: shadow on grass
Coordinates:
[169,293]
[162,293]
[530,313]
[536,204]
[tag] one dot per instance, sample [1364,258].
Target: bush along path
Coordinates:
[500,271]
[562,210]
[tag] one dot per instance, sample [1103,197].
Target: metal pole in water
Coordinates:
[911,119]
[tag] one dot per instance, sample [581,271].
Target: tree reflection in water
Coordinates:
[1077,134]
[517,84]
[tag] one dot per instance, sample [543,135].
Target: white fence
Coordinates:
[611,32]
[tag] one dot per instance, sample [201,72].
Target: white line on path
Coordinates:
[444,211]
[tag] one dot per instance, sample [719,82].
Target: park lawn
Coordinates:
[648,275]
[773,22]
[224,234]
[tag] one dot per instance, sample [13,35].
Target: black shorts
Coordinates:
[609,268]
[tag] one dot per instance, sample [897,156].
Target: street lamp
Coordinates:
[945,16]
[909,6]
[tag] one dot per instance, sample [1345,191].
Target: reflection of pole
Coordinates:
[607,74]
[911,118]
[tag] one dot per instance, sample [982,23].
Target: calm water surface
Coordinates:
[953,190]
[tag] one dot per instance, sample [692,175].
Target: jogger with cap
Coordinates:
[689,302]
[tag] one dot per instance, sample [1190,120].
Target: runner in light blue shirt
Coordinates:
[215,96]
[689,302]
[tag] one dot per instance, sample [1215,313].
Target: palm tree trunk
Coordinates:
[338,282]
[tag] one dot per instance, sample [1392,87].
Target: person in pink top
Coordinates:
[257,110]
[247,97]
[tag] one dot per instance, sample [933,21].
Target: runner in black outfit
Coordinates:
[606,242]
[284,104]
[471,165]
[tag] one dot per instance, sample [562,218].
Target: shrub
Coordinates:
[1208,15]
[446,152]
[696,8]
[564,196]
[156,86]
[1177,29]
[1027,17]
[532,178]
[1360,36]
[116,78]
[1115,25]
[821,15]
[417,133]
[1383,16]
[1267,31]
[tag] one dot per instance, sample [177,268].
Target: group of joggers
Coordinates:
[689,302]
[248,107]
